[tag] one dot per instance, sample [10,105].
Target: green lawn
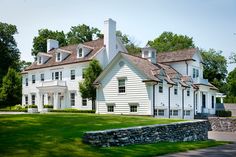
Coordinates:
[60,135]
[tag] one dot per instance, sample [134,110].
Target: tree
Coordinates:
[169,41]
[232,58]
[86,87]
[8,48]
[40,41]
[231,81]
[215,67]
[82,33]
[22,65]
[10,92]
[130,45]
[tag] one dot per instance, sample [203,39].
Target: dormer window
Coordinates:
[145,54]
[40,60]
[58,57]
[80,53]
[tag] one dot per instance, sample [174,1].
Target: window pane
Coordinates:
[42,77]
[56,75]
[84,102]
[121,85]
[133,108]
[161,112]
[72,99]
[72,74]
[175,112]
[33,78]
[110,108]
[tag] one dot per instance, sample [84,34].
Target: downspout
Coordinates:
[154,95]
[194,102]
[183,102]
[169,100]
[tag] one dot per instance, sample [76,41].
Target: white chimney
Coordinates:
[52,44]
[110,38]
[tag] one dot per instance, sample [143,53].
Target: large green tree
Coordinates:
[8,48]
[215,67]
[40,41]
[231,80]
[86,87]
[10,92]
[232,58]
[82,33]
[169,41]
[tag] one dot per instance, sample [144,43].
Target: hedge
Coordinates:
[223,113]
[14,110]
[47,106]
[74,111]
[32,106]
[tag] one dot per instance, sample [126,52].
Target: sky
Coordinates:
[211,23]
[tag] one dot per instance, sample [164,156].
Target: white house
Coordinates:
[53,78]
[168,85]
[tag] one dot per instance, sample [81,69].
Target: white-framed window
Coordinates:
[195,73]
[26,100]
[33,99]
[155,112]
[110,108]
[72,99]
[121,85]
[84,102]
[212,101]
[174,112]
[40,60]
[188,92]
[57,75]
[176,89]
[72,74]
[145,54]
[80,53]
[133,108]
[187,112]
[33,78]
[161,112]
[42,77]
[58,57]
[26,82]
[160,87]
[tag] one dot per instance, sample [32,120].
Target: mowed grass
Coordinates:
[61,135]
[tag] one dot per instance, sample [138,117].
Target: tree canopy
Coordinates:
[40,41]
[82,33]
[215,67]
[10,92]
[9,52]
[169,41]
[86,87]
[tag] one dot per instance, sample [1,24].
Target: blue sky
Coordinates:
[211,23]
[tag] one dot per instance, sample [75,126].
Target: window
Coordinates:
[83,72]
[161,87]
[153,54]
[133,108]
[52,75]
[176,89]
[40,60]
[33,99]
[84,102]
[110,108]
[155,112]
[187,112]
[58,57]
[188,92]
[203,100]
[26,99]
[72,74]
[161,112]
[72,99]
[60,75]
[26,82]
[121,85]
[56,75]
[42,77]
[174,112]
[80,54]
[195,73]
[145,54]
[33,78]
[212,101]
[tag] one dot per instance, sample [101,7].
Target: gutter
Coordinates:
[169,100]
[183,102]
[186,67]
[154,95]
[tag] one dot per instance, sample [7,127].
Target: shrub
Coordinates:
[32,106]
[47,106]
[13,110]
[18,107]
[223,113]
[74,111]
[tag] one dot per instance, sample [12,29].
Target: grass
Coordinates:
[60,135]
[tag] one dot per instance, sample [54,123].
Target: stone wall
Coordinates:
[183,131]
[223,124]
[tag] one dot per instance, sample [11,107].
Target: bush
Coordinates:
[223,113]
[47,106]
[74,111]
[32,106]
[18,107]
